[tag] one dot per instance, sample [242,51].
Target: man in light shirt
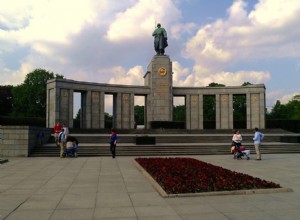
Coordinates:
[258,137]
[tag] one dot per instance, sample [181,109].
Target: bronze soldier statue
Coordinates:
[160,40]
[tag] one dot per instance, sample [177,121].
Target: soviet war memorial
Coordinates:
[158,92]
[175,142]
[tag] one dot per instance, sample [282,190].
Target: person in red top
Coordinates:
[57,128]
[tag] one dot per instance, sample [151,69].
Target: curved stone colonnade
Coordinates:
[158,92]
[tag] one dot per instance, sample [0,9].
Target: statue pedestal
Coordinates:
[159,104]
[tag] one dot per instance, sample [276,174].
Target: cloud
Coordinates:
[139,20]
[243,37]
[287,97]
[110,42]
[134,76]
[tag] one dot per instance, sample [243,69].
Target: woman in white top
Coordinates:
[237,140]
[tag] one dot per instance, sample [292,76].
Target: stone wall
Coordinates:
[20,140]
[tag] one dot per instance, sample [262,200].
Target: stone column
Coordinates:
[95,109]
[254,110]
[194,99]
[117,110]
[88,109]
[131,115]
[52,115]
[230,111]
[200,111]
[101,111]
[64,106]
[224,111]
[218,112]
[248,110]
[126,110]
[262,111]
[188,112]
[71,108]
[86,112]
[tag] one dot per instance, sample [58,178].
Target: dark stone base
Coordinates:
[3,161]
[144,140]
[290,139]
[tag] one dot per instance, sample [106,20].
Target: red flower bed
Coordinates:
[188,175]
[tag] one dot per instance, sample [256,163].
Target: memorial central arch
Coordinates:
[158,91]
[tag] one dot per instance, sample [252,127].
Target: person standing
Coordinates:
[40,137]
[62,143]
[237,142]
[160,40]
[258,137]
[57,129]
[66,130]
[113,142]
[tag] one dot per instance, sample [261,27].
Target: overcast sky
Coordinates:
[105,41]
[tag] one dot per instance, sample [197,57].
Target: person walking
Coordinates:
[258,137]
[62,143]
[113,142]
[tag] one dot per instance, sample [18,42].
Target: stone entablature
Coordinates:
[158,92]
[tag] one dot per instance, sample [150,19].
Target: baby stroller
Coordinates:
[71,147]
[72,151]
[240,155]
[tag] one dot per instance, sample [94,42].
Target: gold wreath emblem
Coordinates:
[162,71]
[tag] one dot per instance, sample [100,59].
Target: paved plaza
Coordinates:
[105,188]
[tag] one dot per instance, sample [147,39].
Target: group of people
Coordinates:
[67,143]
[239,151]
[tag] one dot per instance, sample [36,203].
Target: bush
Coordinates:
[289,125]
[29,121]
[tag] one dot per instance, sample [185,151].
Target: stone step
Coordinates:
[170,142]
[168,149]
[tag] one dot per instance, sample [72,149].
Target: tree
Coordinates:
[29,98]
[6,100]
[179,113]
[246,84]
[213,84]
[108,119]
[289,111]
[239,111]
[209,104]
[139,114]
[293,109]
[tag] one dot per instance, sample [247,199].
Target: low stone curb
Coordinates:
[162,192]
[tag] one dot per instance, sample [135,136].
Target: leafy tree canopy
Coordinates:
[5,100]
[179,113]
[29,98]
[139,114]
[246,84]
[291,110]
[213,84]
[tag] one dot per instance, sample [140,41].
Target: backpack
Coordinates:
[261,136]
[59,136]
